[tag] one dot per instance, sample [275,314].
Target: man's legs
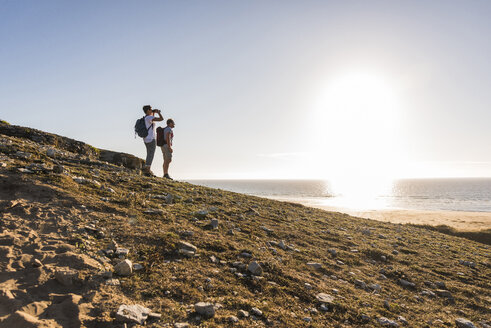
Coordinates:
[150,153]
[167,160]
[166,165]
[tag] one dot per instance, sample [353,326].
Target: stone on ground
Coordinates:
[132,314]
[124,268]
[205,309]
[255,268]
[464,323]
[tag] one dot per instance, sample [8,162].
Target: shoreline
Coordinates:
[460,220]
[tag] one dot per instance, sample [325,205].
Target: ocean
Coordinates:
[457,194]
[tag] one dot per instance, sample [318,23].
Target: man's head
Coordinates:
[170,123]
[147,109]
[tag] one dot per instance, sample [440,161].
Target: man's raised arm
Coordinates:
[158,119]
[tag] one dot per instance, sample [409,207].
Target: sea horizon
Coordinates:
[459,194]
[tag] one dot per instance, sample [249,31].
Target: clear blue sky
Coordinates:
[242,79]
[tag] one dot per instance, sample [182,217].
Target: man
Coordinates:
[167,147]
[149,140]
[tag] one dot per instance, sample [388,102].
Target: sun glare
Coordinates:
[358,120]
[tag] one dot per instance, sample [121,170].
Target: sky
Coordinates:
[260,89]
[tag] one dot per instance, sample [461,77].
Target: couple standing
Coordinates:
[151,142]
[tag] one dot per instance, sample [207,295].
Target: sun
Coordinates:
[357,125]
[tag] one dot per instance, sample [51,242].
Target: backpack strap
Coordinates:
[150,124]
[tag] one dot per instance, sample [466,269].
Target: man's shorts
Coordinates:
[166,152]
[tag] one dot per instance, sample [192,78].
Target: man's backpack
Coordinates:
[160,136]
[141,128]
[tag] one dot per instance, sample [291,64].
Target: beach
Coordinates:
[460,220]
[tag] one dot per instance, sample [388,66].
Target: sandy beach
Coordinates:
[465,221]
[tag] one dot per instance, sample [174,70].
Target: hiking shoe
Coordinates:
[149,174]
[167,177]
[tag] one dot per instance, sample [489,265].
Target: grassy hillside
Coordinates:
[68,220]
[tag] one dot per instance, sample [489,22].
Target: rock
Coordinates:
[255,268]
[468,263]
[332,251]
[395,252]
[255,311]
[23,155]
[484,324]
[205,309]
[464,323]
[323,307]
[113,245]
[431,284]
[58,169]
[36,263]
[184,247]
[155,211]
[121,252]
[360,284]
[308,286]
[441,285]
[325,298]
[201,214]
[187,233]
[375,287]
[233,319]
[169,199]
[428,293]
[386,322]
[268,230]
[407,284]
[243,314]
[132,314]
[307,319]
[402,320]
[443,293]
[282,245]
[181,325]
[315,265]
[113,282]
[66,276]
[214,223]
[50,152]
[137,266]
[387,305]
[124,268]
[154,316]
[186,253]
